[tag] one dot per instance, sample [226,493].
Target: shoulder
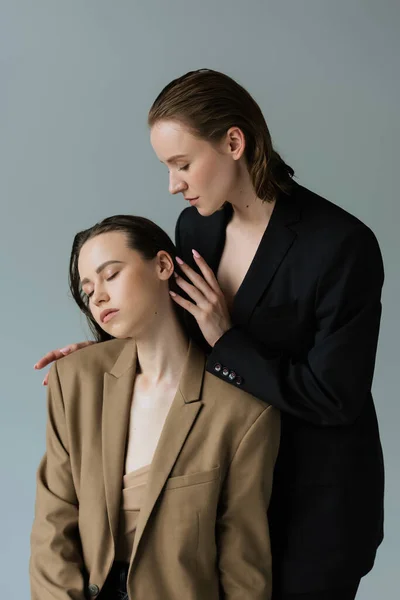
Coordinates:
[92,360]
[191,223]
[329,228]
[187,218]
[322,215]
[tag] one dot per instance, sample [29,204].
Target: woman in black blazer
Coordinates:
[282,289]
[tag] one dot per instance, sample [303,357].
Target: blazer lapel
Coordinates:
[179,421]
[117,399]
[275,243]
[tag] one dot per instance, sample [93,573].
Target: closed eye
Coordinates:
[184,168]
[108,279]
[112,276]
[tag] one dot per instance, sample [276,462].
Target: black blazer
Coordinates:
[306,321]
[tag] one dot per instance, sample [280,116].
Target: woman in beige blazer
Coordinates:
[157,475]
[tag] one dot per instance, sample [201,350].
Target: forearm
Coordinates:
[330,393]
[329,383]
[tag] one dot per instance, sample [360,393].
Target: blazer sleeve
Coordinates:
[56,563]
[242,532]
[329,385]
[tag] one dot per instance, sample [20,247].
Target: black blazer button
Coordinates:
[232,375]
[93,589]
[225,372]
[217,367]
[238,380]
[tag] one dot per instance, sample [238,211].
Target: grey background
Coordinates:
[76,81]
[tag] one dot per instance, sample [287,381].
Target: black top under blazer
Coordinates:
[306,321]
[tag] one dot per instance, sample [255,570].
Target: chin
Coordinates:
[120,333]
[206,211]
[210,209]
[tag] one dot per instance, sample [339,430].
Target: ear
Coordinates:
[165,265]
[235,142]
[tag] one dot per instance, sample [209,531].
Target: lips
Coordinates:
[192,201]
[108,314]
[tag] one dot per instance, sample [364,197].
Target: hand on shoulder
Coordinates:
[53,355]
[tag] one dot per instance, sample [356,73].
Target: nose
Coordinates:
[176,184]
[100,296]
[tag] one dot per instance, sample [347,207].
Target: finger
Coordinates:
[197,280]
[73,347]
[191,291]
[207,272]
[56,354]
[186,304]
[46,380]
[49,358]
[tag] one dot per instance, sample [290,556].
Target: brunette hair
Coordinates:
[209,103]
[142,235]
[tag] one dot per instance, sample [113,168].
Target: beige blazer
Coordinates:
[203,529]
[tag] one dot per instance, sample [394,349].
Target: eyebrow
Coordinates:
[100,269]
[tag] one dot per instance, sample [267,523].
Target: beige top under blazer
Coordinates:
[134,487]
[202,531]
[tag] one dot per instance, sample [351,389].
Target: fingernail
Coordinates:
[195,254]
[175,275]
[35,366]
[43,381]
[172,293]
[65,350]
[179,260]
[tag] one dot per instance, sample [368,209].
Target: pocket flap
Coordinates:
[192,479]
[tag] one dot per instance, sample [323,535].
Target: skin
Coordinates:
[210,175]
[114,276]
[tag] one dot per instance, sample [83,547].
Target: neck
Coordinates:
[248,209]
[162,349]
